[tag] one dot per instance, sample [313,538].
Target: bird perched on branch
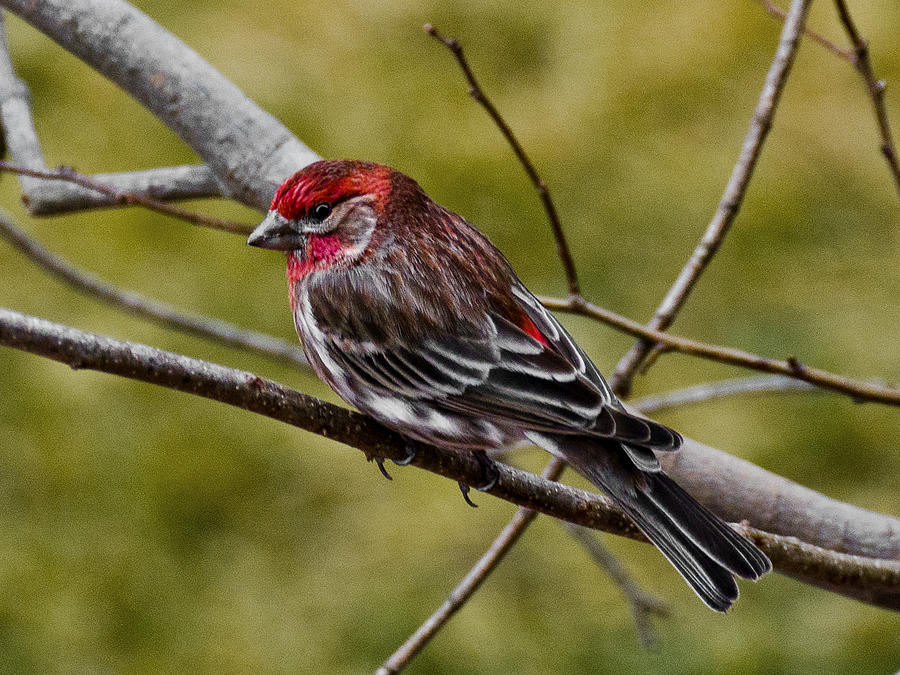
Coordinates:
[414,317]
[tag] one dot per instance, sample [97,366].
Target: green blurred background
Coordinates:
[143,530]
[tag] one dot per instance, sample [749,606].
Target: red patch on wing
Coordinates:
[321,251]
[528,326]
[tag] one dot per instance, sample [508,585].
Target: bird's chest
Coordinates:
[315,343]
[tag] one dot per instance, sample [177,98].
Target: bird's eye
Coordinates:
[321,211]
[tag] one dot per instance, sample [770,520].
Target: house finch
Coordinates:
[414,317]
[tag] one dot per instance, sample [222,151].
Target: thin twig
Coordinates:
[514,529]
[128,198]
[205,327]
[872,580]
[731,200]
[643,605]
[469,584]
[774,10]
[863,64]
[859,390]
[478,94]
[709,391]
[165,184]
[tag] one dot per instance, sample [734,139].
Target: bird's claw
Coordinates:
[465,493]
[380,462]
[490,475]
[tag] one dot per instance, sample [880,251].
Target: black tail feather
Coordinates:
[704,550]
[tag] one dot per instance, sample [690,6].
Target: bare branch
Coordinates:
[863,64]
[49,197]
[167,184]
[513,530]
[141,306]
[643,605]
[731,200]
[859,390]
[19,134]
[830,570]
[69,174]
[709,391]
[478,94]
[734,487]
[859,57]
[774,10]
[470,583]
[248,150]
[874,581]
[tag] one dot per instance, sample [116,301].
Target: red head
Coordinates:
[333,215]
[326,213]
[329,182]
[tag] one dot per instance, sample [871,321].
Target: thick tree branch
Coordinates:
[248,150]
[874,581]
[50,197]
[115,197]
[731,200]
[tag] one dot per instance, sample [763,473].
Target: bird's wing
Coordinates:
[524,371]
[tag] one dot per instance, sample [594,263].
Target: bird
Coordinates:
[414,317]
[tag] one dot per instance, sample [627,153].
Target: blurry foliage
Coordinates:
[144,530]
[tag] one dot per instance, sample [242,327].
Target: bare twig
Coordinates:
[643,605]
[478,94]
[731,200]
[859,390]
[774,10]
[138,305]
[875,86]
[872,580]
[69,174]
[510,533]
[166,184]
[859,57]
[713,390]
[470,583]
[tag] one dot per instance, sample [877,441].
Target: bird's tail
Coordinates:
[704,550]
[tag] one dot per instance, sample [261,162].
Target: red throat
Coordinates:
[321,251]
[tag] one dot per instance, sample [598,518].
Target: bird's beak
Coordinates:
[277,233]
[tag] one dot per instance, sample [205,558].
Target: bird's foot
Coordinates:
[490,476]
[465,493]
[380,462]
[489,471]
[411,450]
